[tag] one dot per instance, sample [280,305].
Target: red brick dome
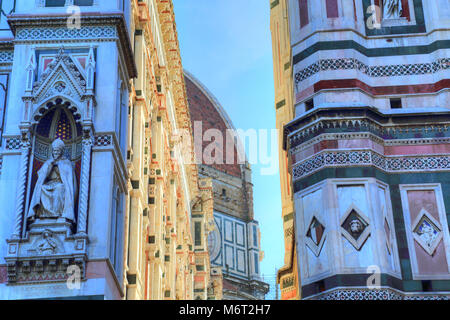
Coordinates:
[204,107]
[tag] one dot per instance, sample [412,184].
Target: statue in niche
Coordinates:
[54,193]
[392,9]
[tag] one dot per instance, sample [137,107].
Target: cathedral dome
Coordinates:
[205,108]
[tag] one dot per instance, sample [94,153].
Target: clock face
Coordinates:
[214,243]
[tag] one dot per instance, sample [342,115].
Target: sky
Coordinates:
[227,46]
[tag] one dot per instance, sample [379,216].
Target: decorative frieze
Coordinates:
[372,71]
[97,33]
[6,57]
[410,134]
[368,137]
[369,158]
[376,294]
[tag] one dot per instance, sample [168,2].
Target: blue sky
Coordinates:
[227,46]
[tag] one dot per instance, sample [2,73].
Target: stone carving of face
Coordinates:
[355,226]
[57,153]
[57,149]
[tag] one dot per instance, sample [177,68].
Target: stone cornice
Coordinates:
[88,19]
[349,114]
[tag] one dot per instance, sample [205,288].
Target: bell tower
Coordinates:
[369,147]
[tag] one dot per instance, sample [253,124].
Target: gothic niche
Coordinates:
[50,243]
[56,166]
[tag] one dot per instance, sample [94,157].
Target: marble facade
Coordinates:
[109,84]
[365,119]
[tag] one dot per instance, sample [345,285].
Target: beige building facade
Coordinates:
[287,276]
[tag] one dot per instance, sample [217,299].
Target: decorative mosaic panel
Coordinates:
[360,294]
[6,57]
[103,140]
[370,158]
[381,294]
[13,144]
[64,33]
[372,71]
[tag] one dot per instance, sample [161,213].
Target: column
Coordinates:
[20,199]
[84,182]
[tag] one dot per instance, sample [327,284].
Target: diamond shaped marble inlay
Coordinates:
[315,236]
[354,225]
[427,232]
[387,230]
[315,231]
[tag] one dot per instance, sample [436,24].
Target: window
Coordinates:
[83,3]
[62,3]
[309,105]
[332,9]
[426,286]
[304,16]
[396,103]
[55,3]
[198,237]
[256,259]
[122,118]
[116,231]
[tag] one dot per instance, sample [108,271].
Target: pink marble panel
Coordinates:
[96,269]
[419,149]
[305,93]
[299,156]
[325,144]
[422,199]
[354,144]
[437,263]
[431,264]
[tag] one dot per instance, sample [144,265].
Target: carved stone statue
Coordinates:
[54,193]
[356,226]
[47,245]
[392,9]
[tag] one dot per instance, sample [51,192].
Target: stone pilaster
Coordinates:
[84,183]
[20,199]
